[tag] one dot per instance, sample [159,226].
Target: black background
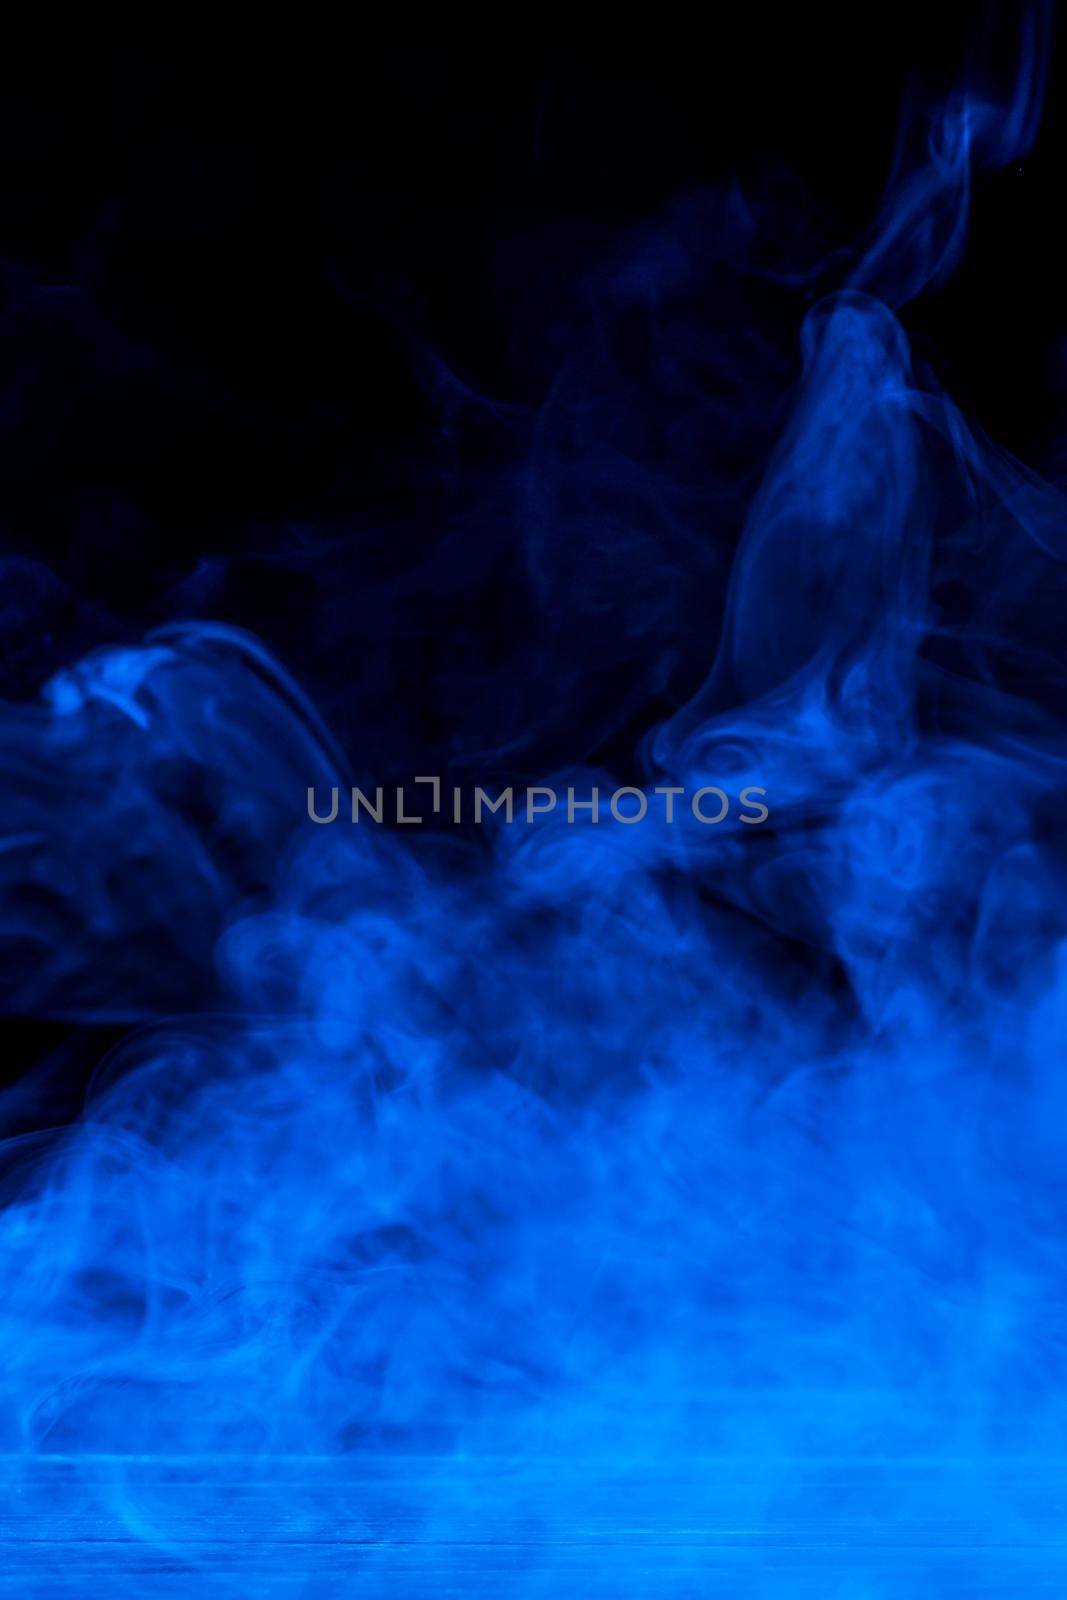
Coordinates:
[280,314]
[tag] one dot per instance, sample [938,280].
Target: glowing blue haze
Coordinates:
[605,1145]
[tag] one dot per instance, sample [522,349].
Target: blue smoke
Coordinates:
[598,1144]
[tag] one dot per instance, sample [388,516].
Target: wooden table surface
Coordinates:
[411,1527]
